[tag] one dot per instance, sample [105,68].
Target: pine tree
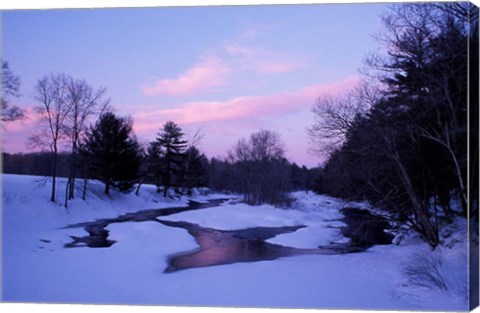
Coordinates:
[171,139]
[194,169]
[113,152]
[155,163]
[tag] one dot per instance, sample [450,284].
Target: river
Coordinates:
[218,247]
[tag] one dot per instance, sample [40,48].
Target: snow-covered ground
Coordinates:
[36,267]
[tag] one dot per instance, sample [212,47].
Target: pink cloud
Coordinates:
[224,122]
[240,107]
[206,74]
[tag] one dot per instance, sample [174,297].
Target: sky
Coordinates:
[226,71]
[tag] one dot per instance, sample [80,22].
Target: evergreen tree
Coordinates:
[408,154]
[113,152]
[299,177]
[155,159]
[194,169]
[171,139]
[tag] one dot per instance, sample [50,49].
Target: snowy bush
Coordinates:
[423,270]
[436,274]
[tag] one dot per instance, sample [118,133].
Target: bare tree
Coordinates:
[85,103]
[10,88]
[266,145]
[54,108]
[192,153]
[241,151]
[334,115]
[192,144]
[262,171]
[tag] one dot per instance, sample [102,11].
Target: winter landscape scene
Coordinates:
[275,156]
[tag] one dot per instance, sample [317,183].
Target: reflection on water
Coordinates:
[217,247]
[98,235]
[224,247]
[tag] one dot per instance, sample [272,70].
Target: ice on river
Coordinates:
[322,226]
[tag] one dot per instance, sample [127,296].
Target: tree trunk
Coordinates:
[84,196]
[72,171]
[52,197]
[66,193]
[455,162]
[54,174]
[71,194]
[427,229]
[137,192]
[107,187]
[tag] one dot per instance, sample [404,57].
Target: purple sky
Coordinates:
[228,71]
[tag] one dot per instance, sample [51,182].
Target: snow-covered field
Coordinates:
[36,267]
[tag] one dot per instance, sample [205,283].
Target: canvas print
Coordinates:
[319,156]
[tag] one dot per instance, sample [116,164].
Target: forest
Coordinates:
[405,140]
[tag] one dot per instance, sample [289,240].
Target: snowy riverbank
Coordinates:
[36,267]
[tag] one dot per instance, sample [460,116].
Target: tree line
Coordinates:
[111,153]
[407,141]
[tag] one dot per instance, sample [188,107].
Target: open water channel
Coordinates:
[218,247]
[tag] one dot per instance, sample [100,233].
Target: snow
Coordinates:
[36,267]
[321,217]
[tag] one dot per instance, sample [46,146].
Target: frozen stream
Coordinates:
[218,247]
